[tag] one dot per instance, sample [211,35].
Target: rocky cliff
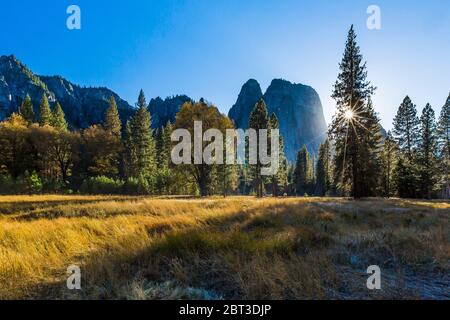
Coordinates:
[297,106]
[248,97]
[163,111]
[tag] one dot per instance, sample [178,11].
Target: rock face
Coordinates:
[83,106]
[16,80]
[163,111]
[298,108]
[248,97]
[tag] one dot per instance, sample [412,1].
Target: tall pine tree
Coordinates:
[353,119]
[26,110]
[323,170]
[278,180]
[406,133]
[444,148]
[140,144]
[406,128]
[58,119]
[427,152]
[112,120]
[45,113]
[372,140]
[302,174]
[259,120]
[165,175]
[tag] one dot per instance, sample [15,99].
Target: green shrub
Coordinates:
[32,183]
[102,185]
[28,183]
[139,186]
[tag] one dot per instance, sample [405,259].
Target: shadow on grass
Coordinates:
[280,251]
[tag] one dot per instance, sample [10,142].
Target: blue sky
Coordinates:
[209,48]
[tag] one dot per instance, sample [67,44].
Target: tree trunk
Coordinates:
[355,178]
[274,188]
[203,189]
[258,187]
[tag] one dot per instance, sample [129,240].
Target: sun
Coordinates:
[349,115]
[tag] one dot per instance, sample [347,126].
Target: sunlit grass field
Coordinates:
[234,248]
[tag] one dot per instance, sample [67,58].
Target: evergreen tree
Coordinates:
[159,133]
[164,145]
[167,144]
[405,178]
[406,128]
[302,180]
[112,119]
[130,163]
[388,159]
[427,152]
[312,173]
[444,148]
[58,118]
[113,126]
[278,180]
[372,140]
[165,174]
[26,110]
[406,133]
[354,145]
[45,113]
[323,170]
[140,144]
[259,120]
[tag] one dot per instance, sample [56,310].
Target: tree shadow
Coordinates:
[206,256]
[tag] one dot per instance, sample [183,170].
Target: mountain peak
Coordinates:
[251,85]
[11,58]
[12,62]
[250,94]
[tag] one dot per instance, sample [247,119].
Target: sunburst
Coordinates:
[349,115]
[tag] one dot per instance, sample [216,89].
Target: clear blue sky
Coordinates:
[209,48]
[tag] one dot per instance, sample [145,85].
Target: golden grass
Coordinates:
[240,247]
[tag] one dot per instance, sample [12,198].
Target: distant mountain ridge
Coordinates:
[83,106]
[297,106]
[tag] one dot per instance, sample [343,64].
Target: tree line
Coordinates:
[39,153]
[357,160]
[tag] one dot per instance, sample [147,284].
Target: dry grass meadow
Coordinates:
[235,248]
